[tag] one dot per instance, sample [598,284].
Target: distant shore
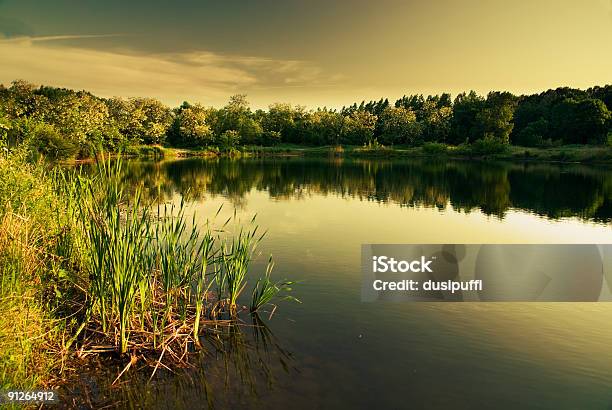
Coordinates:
[583,154]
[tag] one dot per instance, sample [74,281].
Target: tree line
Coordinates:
[59,121]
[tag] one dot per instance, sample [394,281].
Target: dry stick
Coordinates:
[158,363]
[132,360]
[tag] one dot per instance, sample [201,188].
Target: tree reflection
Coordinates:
[550,190]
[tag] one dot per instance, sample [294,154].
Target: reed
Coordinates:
[202,285]
[266,290]
[234,259]
[117,233]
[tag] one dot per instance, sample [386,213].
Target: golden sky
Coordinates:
[312,53]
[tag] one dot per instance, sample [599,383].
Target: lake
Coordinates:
[334,351]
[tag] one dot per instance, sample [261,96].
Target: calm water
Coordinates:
[333,351]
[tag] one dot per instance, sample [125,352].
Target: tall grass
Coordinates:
[28,278]
[234,259]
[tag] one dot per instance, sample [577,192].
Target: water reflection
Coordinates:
[550,190]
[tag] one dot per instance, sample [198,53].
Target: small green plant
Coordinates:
[266,290]
[373,145]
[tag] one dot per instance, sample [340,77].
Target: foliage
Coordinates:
[359,127]
[229,140]
[192,126]
[83,261]
[434,148]
[488,145]
[563,115]
[28,276]
[48,141]
[399,126]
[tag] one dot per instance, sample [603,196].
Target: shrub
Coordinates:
[488,145]
[49,142]
[434,148]
[229,140]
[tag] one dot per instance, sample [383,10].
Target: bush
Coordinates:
[49,142]
[434,148]
[488,145]
[151,151]
[229,140]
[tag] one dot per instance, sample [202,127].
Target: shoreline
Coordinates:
[569,154]
[564,154]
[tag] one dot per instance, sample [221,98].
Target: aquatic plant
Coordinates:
[266,290]
[234,258]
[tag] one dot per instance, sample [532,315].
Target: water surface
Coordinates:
[333,351]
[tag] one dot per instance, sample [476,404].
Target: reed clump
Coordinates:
[150,273]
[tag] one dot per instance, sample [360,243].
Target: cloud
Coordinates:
[172,77]
[29,39]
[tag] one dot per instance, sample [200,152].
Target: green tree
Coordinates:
[359,128]
[193,125]
[280,118]
[157,119]
[324,127]
[581,121]
[399,126]
[436,121]
[495,117]
[79,116]
[465,125]
[5,126]
[47,140]
[229,140]
[237,116]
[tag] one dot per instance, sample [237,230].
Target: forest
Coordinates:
[62,123]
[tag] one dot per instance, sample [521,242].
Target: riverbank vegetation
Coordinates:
[88,266]
[61,123]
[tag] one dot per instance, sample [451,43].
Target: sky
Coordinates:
[312,53]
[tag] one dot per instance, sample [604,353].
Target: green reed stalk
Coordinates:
[234,265]
[266,290]
[201,288]
[179,254]
[128,261]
